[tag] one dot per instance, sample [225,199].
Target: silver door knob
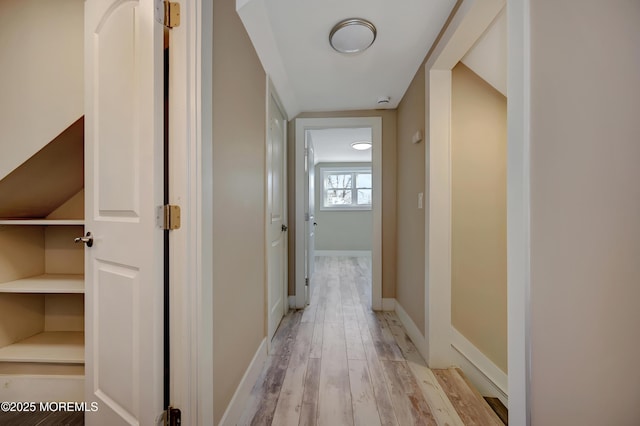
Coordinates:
[87,239]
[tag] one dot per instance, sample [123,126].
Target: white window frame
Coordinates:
[344,170]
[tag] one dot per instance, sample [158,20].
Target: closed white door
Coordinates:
[123,173]
[276,217]
[310,217]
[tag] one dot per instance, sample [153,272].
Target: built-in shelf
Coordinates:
[47,283]
[65,347]
[41,221]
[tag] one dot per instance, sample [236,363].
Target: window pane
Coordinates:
[332,180]
[337,197]
[364,197]
[363,180]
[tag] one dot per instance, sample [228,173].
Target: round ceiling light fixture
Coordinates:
[361,145]
[352,35]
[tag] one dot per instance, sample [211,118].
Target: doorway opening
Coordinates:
[338,199]
[338,195]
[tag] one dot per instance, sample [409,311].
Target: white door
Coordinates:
[276,216]
[123,184]
[310,217]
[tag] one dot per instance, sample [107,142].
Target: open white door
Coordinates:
[123,172]
[276,215]
[310,217]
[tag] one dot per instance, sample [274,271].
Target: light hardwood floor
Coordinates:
[339,363]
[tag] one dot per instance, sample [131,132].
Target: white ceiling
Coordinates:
[291,39]
[334,145]
[488,57]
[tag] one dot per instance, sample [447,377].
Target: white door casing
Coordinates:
[123,168]
[310,217]
[276,214]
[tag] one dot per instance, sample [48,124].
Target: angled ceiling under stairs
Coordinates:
[46,180]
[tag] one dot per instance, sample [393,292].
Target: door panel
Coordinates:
[276,205]
[123,185]
[311,216]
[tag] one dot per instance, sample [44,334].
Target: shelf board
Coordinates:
[66,347]
[47,283]
[41,221]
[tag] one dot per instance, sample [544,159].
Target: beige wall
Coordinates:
[479,214]
[388,192]
[411,220]
[238,213]
[585,212]
[41,58]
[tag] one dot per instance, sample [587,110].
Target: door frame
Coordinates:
[301,126]
[472,18]
[271,92]
[191,251]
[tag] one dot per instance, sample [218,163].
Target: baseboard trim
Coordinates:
[481,371]
[292,302]
[413,331]
[388,304]
[236,407]
[343,253]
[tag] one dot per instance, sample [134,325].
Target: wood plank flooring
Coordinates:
[42,418]
[337,363]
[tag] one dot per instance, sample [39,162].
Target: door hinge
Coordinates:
[172,416]
[306,281]
[169,217]
[168,13]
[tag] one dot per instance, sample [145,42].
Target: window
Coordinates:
[346,188]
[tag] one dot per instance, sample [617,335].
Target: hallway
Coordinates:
[339,363]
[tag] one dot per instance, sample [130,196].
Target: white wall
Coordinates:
[41,58]
[488,57]
[342,230]
[585,212]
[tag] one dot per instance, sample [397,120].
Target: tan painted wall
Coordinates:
[41,58]
[585,212]
[479,214]
[239,92]
[411,220]
[388,192]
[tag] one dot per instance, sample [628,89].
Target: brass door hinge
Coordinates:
[169,217]
[172,417]
[168,13]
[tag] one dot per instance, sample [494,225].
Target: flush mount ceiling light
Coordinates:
[352,35]
[361,145]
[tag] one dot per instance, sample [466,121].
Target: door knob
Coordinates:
[284,228]
[87,239]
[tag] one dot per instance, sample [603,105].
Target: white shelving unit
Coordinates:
[65,347]
[42,311]
[43,222]
[46,283]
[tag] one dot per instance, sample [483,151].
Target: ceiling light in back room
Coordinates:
[352,35]
[361,145]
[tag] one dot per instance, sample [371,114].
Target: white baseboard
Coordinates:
[481,371]
[240,398]
[343,253]
[292,302]
[388,304]
[413,332]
